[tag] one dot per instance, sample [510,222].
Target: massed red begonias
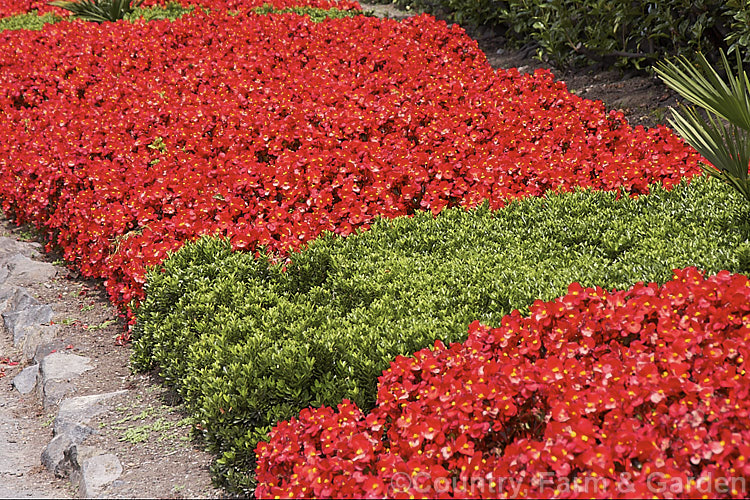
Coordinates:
[636,393]
[124,140]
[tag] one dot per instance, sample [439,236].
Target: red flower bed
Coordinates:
[125,140]
[596,394]
[14,7]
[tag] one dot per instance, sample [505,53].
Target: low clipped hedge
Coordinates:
[170,10]
[249,342]
[30,21]
[34,21]
[315,14]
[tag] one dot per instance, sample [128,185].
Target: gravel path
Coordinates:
[23,436]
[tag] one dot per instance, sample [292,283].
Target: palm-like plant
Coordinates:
[98,10]
[726,147]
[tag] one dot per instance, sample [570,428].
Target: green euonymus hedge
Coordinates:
[621,33]
[33,21]
[172,11]
[247,343]
[30,21]
[316,15]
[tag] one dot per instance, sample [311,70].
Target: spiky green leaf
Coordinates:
[726,148]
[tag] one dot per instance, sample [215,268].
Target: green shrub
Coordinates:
[172,11]
[247,344]
[315,14]
[33,21]
[620,33]
[29,21]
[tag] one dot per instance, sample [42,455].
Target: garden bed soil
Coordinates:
[146,428]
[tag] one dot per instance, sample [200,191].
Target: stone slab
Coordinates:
[55,391]
[25,271]
[37,336]
[14,298]
[19,322]
[97,473]
[53,456]
[25,382]
[75,414]
[11,246]
[44,350]
[63,366]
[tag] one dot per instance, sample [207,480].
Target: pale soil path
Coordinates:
[143,427]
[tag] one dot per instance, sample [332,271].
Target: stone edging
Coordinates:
[52,373]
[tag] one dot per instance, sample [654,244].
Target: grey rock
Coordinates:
[22,299]
[6,294]
[54,391]
[53,456]
[97,473]
[37,336]
[75,414]
[74,457]
[63,366]
[13,298]
[25,271]
[78,431]
[91,468]
[47,349]
[11,246]
[25,382]
[18,322]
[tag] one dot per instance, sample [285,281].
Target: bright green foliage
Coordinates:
[33,21]
[99,11]
[315,14]
[171,10]
[727,148]
[30,21]
[247,343]
[621,33]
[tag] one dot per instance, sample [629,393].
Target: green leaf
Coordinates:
[98,10]
[726,148]
[705,88]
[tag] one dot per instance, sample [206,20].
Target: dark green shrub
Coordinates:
[247,344]
[621,33]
